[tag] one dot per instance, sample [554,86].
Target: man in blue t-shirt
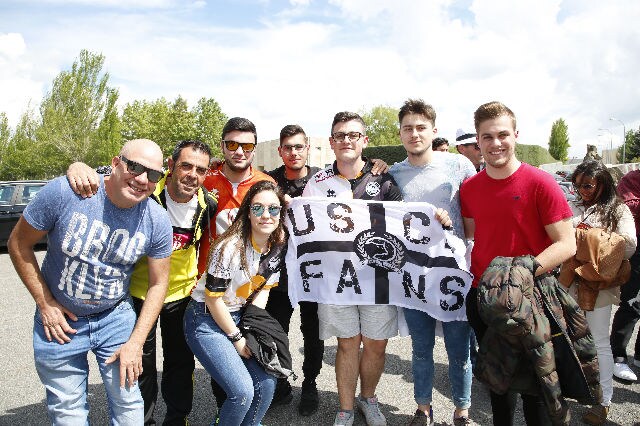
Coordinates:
[82,289]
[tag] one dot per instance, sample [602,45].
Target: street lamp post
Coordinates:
[610,144]
[624,139]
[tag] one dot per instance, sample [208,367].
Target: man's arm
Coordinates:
[21,242]
[130,353]
[83,179]
[469,227]
[563,247]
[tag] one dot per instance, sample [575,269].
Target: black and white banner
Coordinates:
[358,252]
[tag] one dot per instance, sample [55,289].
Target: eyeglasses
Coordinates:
[137,169]
[352,136]
[293,148]
[258,210]
[585,186]
[473,144]
[233,145]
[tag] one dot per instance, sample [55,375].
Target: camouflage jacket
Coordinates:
[538,341]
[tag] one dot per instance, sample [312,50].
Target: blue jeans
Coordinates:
[63,369]
[422,328]
[248,386]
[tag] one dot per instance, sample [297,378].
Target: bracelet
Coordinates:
[235,337]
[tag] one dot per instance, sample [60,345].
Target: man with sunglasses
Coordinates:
[467,145]
[82,289]
[372,325]
[190,207]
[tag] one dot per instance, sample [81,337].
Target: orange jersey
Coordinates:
[229,199]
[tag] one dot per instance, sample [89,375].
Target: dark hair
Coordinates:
[607,205]
[240,124]
[491,111]
[291,130]
[344,116]
[439,142]
[195,144]
[241,225]
[417,106]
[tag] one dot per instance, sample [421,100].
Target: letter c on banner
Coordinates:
[406,222]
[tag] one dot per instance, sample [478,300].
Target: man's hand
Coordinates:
[82,179]
[442,216]
[379,167]
[130,356]
[215,163]
[55,323]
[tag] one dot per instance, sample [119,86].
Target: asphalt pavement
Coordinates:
[22,395]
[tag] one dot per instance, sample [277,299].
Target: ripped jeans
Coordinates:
[422,328]
[248,387]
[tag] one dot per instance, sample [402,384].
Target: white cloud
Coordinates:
[572,59]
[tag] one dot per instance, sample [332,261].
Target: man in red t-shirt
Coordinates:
[511,209]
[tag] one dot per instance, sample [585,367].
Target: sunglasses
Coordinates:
[258,210]
[586,186]
[474,144]
[137,169]
[233,145]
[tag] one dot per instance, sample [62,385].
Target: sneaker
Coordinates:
[421,419]
[309,400]
[596,415]
[461,421]
[371,411]
[622,371]
[283,394]
[343,419]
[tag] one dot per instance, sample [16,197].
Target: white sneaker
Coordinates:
[369,407]
[622,371]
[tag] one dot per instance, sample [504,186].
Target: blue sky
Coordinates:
[300,61]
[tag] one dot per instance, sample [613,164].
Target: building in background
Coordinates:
[320,154]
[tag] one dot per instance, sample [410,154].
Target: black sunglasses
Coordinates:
[137,169]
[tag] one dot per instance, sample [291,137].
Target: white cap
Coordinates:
[463,137]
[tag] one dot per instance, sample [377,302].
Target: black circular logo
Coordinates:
[380,249]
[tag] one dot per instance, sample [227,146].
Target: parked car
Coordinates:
[568,189]
[14,197]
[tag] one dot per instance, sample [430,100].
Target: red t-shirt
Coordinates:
[510,214]
[229,200]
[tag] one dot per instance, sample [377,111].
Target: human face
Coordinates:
[238,160]
[294,157]
[588,189]
[416,134]
[444,148]
[128,189]
[472,152]
[265,224]
[497,140]
[348,151]
[187,174]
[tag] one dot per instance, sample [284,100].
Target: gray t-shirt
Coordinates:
[93,245]
[437,183]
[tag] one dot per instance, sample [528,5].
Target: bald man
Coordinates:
[82,289]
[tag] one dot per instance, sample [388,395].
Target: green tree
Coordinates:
[78,117]
[167,123]
[632,147]
[382,125]
[559,140]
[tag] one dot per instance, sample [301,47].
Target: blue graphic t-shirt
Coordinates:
[93,245]
[437,183]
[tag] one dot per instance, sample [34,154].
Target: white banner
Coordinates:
[359,252]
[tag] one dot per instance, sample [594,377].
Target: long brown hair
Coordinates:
[240,228]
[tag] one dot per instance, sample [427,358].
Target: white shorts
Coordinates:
[378,322]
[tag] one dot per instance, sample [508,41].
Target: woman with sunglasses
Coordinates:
[245,257]
[598,206]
